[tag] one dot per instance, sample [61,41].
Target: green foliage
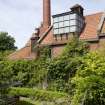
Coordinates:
[41,95]
[4,55]
[5,72]
[63,68]
[28,101]
[39,72]
[34,73]
[90,81]
[7,45]
[6,42]
[65,73]
[45,52]
[29,73]
[23,103]
[75,48]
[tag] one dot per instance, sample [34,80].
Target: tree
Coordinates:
[6,47]
[6,42]
[90,81]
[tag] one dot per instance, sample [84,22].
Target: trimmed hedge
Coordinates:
[41,95]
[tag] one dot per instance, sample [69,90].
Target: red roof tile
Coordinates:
[91,26]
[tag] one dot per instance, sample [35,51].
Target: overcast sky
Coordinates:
[20,17]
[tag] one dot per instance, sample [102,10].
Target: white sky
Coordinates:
[20,17]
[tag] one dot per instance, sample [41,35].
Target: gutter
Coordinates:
[45,34]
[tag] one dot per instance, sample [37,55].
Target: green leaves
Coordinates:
[90,81]
[38,94]
[6,42]
[64,67]
[70,72]
[29,73]
[75,48]
[7,45]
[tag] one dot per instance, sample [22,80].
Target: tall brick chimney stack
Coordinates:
[46,14]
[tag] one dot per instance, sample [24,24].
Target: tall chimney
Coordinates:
[46,14]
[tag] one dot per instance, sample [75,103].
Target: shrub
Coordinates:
[41,95]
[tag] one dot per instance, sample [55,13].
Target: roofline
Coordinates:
[62,14]
[65,13]
[44,34]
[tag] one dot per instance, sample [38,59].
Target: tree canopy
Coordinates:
[6,42]
[90,81]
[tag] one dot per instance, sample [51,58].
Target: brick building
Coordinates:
[90,28]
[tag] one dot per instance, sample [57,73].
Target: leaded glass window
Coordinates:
[61,24]
[73,16]
[61,30]
[56,31]
[67,30]
[61,18]
[67,17]
[56,25]
[66,23]
[56,19]
[73,29]
[73,22]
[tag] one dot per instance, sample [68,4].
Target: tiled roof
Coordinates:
[91,26]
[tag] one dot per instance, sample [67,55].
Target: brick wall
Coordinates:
[48,39]
[57,50]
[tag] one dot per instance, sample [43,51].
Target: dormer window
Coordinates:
[69,22]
